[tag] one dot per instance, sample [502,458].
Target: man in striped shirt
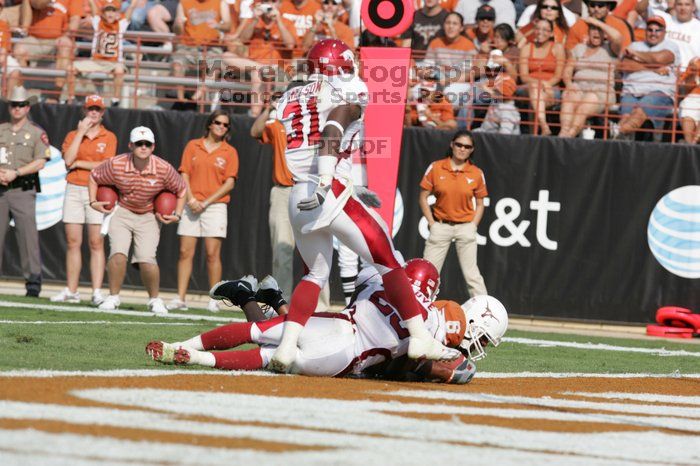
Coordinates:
[138,176]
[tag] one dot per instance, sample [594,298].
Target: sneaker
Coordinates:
[213,306]
[167,353]
[270,293]
[237,292]
[97,298]
[176,304]
[430,348]
[110,303]
[65,296]
[157,306]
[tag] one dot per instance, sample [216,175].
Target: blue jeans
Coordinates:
[656,105]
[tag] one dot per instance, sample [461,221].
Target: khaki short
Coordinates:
[39,47]
[210,223]
[96,66]
[144,229]
[76,207]
[190,56]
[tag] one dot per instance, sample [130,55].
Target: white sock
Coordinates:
[201,358]
[194,343]
[416,327]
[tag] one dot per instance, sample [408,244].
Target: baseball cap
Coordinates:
[658,20]
[116,4]
[493,63]
[94,101]
[486,12]
[141,133]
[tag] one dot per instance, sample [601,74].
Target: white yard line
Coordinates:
[90,322]
[646,397]
[58,308]
[600,346]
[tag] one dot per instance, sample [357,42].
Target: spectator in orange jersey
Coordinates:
[328,26]
[545,9]
[496,90]
[690,106]
[431,109]
[84,149]
[8,64]
[49,25]
[589,79]
[107,51]
[209,168]
[541,66]
[301,13]
[200,25]
[481,34]
[272,39]
[138,176]
[599,14]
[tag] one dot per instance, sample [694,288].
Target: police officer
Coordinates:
[24,149]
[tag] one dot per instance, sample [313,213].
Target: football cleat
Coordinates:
[270,294]
[429,348]
[181,356]
[161,351]
[235,292]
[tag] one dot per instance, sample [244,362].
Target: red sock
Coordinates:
[228,336]
[304,301]
[248,360]
[399,293]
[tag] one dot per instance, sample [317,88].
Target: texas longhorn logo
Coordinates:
[490,314]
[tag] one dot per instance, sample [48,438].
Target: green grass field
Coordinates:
[67,340]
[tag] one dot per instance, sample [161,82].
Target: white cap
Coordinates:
[141,133]
[492,63]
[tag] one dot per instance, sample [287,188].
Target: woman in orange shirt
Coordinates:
[541,67]
[551,10]
[209,168]
[83,149]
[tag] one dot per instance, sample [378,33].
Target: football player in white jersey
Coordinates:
[322,203]
[366,335]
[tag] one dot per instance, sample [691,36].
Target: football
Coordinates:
[107,194]
[165,203]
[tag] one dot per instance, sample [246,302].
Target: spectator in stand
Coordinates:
[599,10]
[107,51]
[530,13]
[138,176]
[504,41]
[452,54]
[50,25]
[481,34]
[161,17]
[427,24]
[271,40]
[328,26]
[200,25]
[302,14]
[689,109]
[649,82]
[458,209]
[589,78]
[209,168]
[545,9]
[682,28]
[505,10]
[497,89]
[84,149]
[271,131]
[541,66]
[431,110]
[8,63]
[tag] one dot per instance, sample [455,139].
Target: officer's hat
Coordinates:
[19,94]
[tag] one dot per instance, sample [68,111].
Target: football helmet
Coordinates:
[423,274]
[331,57]
[487,321]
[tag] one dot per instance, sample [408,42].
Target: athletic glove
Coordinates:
[368,198]
[464,373]
[315,200]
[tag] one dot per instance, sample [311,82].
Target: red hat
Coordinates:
[658,20]
[94,101]
[116,4]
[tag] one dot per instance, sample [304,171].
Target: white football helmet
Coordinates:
[487,321]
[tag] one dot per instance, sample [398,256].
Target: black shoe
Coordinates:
[269,293]
[237,292]
[32,294]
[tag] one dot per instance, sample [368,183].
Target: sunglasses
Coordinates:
[19,104]
[143,144]
[329,2]
[550,7]
[94,108]
[655,30]
[221,123]
[598,5]
[459,145]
